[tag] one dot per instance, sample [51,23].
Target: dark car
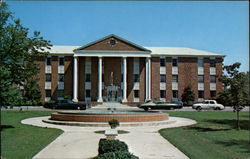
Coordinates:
[158,104]
[65,104]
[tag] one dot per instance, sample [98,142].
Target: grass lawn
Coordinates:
[214,137]
[20,141]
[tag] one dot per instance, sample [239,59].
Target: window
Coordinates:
[175,62]
[61,61]
[87,93]
[121,77]
[200,94]
[87,77]
[212,79]
[201,79]
[162,62]
[61,78]
[200,62]
[175,94]
[59,93]
[212,102]
[175,78]
[48,93]
[163,93]
[212,62]
[136,78]
[112,42]
[212,93]
[48,77]
[48,61]
[163,78]
[136,93]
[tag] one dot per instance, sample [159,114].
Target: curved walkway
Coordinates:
[82,143]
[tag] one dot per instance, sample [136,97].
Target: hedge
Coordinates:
[117,155]
[106,146]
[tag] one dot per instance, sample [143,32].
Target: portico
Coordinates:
[123,75]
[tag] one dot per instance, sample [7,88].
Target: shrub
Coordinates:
[114,123]
[111,146]
[188,96]
[117,155]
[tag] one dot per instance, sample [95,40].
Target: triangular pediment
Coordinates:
[111,43]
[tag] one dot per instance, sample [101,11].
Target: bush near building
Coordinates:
[188,96]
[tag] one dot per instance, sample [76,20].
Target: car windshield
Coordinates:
[175,100]
[157,101]
[70,101]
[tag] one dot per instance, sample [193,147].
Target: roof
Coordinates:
[155,51]
[114,36]
[179,51]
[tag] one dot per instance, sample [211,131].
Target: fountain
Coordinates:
[106,112]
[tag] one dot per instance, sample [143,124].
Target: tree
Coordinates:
[17,54]
[8,94]
[188,96]
[234,82]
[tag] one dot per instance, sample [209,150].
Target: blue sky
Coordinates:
[219,27]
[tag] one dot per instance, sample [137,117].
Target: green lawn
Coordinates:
[214,137]
[20,141]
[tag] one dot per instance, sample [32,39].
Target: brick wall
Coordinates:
[41,76]
[119,46]
[81,79]
[54,75]
[68,76]
[112,64]
[187,75]
[155,77]
[94,78]
[130,79]
[219,72]
[142,79]
[206,78]
[169,94]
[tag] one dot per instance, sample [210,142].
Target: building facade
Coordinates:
[113,69]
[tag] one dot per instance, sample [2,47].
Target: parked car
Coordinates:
[159,104]
[65,104]
[208,104]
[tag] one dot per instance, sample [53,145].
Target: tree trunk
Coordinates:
[238,119]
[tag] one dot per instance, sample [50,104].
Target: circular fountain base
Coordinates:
[104,117]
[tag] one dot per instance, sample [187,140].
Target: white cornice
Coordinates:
[113,53]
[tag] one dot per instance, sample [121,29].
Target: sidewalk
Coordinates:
[82,142]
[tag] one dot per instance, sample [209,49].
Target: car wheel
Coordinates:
[146,108]
[78,108]
[198,108]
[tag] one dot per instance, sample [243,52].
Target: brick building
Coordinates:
[115,69]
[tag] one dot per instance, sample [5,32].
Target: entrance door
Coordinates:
[112,93]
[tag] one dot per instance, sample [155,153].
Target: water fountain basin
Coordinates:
[105,116]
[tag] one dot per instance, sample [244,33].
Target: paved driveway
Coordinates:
[82,142]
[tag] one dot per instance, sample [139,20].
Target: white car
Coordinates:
[208,104]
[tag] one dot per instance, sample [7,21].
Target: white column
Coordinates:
[75,95]
[149,78]
[100,80]
[146,79]
[124,79]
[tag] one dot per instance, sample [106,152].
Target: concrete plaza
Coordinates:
[82,143]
